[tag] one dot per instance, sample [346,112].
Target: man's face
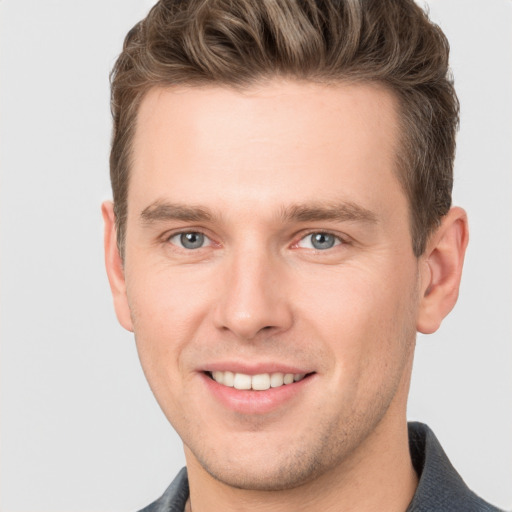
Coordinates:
[268,235]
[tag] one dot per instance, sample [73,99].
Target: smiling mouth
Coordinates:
[260,382]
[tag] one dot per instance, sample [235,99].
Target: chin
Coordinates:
[270,469]
[278,477]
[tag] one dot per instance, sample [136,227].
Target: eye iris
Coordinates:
[322,240]
[192,240]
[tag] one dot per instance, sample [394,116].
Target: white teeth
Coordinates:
[228,380]
[288,378]
[259,382]
[219,377]
[242,381]
[276,380]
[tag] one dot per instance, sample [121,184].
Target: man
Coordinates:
[281,229]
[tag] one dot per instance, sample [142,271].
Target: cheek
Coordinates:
[363,314]
[166,308]
[369,343]
[167,302]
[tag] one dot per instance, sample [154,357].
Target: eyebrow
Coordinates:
[341,212]
[160,211]
[163,211]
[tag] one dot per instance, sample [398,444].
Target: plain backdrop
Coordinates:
[80,430]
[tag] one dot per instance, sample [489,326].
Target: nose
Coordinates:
[253,298]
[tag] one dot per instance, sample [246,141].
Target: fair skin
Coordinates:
[267,234]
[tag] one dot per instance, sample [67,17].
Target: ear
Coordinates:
[114,265]
[442,270]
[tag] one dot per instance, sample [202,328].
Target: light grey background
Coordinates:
[80,430]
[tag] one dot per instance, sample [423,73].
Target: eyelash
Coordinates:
[168,238]
[339,240]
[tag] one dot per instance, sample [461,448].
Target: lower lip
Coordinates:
[255,402]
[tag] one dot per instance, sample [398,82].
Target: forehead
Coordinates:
[285,141]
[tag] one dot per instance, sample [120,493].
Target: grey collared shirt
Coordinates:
[440,488]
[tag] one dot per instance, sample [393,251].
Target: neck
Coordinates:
[378,476]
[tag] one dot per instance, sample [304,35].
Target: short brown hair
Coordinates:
[240,42]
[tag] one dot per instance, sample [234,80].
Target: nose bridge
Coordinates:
[252,297]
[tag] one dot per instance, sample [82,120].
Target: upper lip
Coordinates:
[254,368]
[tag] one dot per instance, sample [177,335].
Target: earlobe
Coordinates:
[442,269]
[114,267]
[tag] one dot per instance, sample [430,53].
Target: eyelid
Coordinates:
[166,238]
[341,239]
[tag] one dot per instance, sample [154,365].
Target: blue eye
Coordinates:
[319,241]
[190,240]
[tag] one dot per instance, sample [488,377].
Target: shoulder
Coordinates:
[174,497]
[440,487]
